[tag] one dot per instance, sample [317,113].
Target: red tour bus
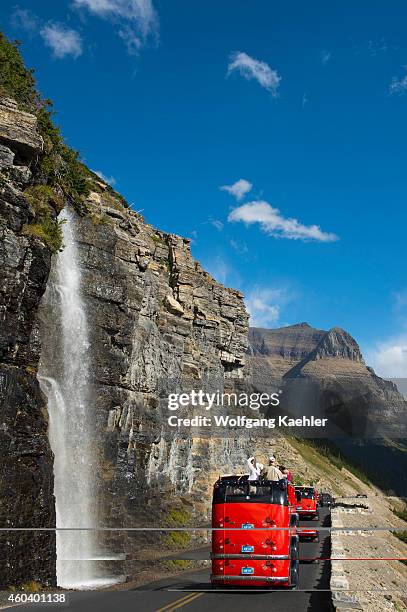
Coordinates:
[246,547]
[307,498]
[307,507]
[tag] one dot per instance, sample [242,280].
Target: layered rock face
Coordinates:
[158,323]
[18,131]
[291,343]
[25,456]
[273,351]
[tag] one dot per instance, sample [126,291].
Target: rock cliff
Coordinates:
[159,324]
[25,455]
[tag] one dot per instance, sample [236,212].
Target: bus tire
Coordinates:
[294,548]
[294,565]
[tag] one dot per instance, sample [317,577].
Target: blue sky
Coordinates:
[306,102]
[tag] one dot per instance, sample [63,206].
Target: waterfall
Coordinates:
[64,378]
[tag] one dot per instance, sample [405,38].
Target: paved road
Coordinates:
[191,591]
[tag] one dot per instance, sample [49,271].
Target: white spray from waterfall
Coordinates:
[71,430]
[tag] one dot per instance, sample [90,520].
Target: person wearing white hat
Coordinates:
[255,468]
[271,472]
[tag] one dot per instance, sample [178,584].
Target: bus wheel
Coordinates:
[294,549]
[293,575]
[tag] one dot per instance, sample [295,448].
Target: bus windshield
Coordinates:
[230,491]
[306,493]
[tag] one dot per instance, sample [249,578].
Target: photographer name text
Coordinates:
[246,422]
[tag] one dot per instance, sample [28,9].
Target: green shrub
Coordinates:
[16,81]
[179,516]
[120,200]
[48,231]
[327,449]
[113,199]
[176,564]
[43,198]
[177,539]
[58,166]
[99,219]
[31,587]
[401,535]
[401,513]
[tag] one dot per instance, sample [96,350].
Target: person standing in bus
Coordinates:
[272,472]
[254,468]
[286,473]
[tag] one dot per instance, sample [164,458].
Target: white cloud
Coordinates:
[273,223]
[216,223]
[131,40]
[238,189]
[137,20]
[240,248]
[264,306]
[107,179]
[25,20]
[398,86]
[325,57]
[62,40]
[250,68]
[389,359]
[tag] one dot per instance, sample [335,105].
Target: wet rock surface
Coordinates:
[25,456]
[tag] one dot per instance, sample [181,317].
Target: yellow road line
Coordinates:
[178,603]
[185,603]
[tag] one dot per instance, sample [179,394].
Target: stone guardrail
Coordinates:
[342,599]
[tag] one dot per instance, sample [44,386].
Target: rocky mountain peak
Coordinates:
[293,342]
[337,343]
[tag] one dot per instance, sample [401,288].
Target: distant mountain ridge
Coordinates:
[329,361]
[300,340]
[323,373]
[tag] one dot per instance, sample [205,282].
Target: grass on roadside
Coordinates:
[315,451]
